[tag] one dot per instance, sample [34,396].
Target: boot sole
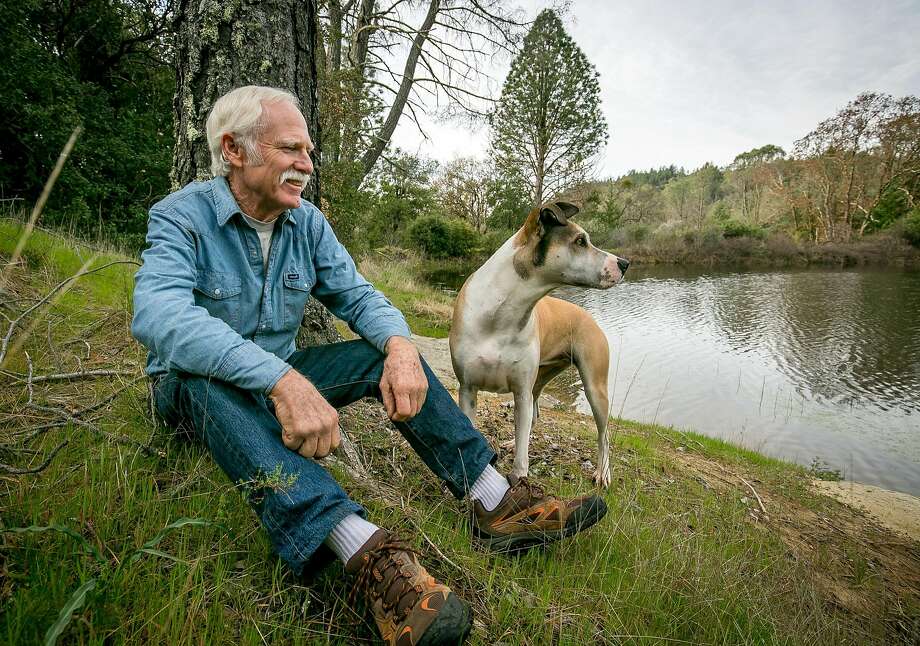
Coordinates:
[594,510]
[452,625]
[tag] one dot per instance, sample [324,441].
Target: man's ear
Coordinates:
[557,213]
[231,151]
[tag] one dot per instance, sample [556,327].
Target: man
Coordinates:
[229,265]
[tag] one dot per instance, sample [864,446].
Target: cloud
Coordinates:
[685,83]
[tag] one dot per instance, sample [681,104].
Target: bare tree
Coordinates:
[382,60]
[463,190]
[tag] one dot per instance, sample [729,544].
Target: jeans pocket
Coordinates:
[219,293]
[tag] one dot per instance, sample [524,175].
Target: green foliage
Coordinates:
[404,193]
[657,177]
[893,205]
[720,212]
[911,231]
[101,68]
[735,228]
[509,200]
[757,156]
[441,238]
[548,125]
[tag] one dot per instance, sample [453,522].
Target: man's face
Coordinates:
[285,146]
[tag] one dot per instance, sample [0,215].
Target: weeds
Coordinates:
[679,558]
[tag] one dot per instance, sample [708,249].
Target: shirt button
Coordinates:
[217,292]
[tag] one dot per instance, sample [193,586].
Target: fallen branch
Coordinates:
[41,467]
[756,495]
[115,437]
[70,376]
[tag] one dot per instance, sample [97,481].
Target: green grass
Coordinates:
[675,561]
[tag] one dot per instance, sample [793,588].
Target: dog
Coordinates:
[509,336]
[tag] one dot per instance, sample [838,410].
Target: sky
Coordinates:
[691,82]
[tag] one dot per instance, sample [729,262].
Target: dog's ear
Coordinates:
[557,213]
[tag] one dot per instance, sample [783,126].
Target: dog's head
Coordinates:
[560,251]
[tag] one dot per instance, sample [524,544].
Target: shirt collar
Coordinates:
[226,206]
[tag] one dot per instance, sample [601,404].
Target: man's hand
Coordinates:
[309,425]
[403,384]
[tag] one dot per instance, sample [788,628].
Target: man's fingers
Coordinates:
[323,446]
[290,440]
[336,439]
[386,392]
[308,448]
[403,406]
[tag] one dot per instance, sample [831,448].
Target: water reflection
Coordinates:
[799,364]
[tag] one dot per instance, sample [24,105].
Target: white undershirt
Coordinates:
[264,229]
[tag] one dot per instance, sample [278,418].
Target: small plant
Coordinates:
[276,481]
[821,470]
[911,230]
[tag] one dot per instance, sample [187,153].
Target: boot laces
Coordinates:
[371,577]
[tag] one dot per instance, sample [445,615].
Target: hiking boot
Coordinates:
[527,517]
[409,606]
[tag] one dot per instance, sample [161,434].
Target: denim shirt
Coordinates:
[204,305]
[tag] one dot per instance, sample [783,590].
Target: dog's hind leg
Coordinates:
[468,401]
[546,374]
[593,366]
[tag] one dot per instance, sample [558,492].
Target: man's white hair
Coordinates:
[239,113]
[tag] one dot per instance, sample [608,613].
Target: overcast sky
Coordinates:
[689,82]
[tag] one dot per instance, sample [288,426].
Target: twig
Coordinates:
[70,376]
[756,495]
[41,467]
[115,437]
[29,378]
[82,272]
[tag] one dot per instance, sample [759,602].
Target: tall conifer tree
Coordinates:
[548,126]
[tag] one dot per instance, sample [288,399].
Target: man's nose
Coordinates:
[305,164]
[623,264]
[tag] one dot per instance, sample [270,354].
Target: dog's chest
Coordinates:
[499,364]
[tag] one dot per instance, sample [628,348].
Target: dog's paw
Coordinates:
[602,478]
[507,446]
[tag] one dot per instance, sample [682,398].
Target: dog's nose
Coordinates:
[623,264]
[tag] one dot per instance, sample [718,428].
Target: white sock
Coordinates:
[349,535]
[489,488]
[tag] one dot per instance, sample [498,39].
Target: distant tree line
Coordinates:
[108,65]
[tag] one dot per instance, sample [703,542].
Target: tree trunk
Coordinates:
[221,46]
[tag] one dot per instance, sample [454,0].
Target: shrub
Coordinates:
[441,238]
[733,228]
[911,230]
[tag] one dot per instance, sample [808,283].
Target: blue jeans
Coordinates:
[244,437]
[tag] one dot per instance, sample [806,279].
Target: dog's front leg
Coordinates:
[468,401]
[523,421]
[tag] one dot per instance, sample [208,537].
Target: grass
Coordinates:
[683,556]
[427,310]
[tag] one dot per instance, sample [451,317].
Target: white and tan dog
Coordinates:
[509,336]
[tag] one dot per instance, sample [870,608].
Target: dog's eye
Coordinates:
[581,241]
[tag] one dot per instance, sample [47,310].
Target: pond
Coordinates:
[819,367]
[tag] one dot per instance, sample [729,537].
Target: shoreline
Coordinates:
[897,511]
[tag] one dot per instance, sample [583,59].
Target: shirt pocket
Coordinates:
[297,286]
[219,293]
